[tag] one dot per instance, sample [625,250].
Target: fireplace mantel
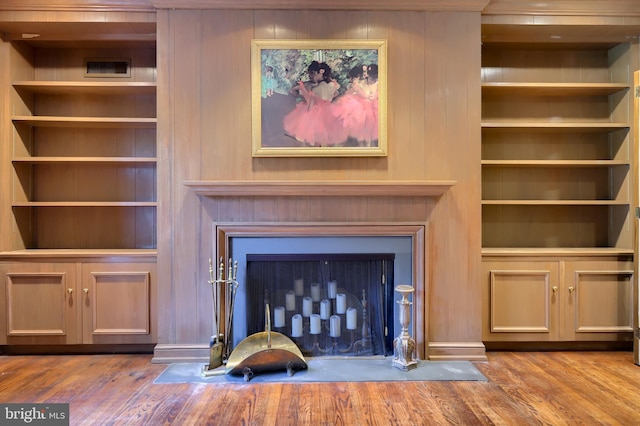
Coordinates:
[349,188]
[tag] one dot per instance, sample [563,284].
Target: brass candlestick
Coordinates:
[404,345]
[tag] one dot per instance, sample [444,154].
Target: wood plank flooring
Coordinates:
[523,388]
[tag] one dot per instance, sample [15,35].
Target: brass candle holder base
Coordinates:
[404,345]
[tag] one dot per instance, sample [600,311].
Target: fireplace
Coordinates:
[444,240]
[314,282]
[276,259]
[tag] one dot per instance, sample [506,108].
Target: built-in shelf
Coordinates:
[89,122]
[557,126]
[321,188]
[552,89]
[519,252]
[538,202]
[556,147]
[554,163]
[84,204]
[78,253]
[86,87]
[106,160]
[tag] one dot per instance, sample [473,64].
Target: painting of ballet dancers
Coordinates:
[318,98]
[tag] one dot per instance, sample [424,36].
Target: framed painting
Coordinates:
[319,98]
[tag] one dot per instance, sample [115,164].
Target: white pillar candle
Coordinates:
[315,292]
[341,303]
[290,301]
[278,316]
[298,286]
[352,319]
[332,289]
[296,325]
[325,309]
[307,307]
[334,326]
[315,324]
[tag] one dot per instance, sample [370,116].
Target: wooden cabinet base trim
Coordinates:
[559,346]
[456,351]
[38,349]
[170,353]
[72,255]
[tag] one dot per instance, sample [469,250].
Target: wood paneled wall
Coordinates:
[204,133]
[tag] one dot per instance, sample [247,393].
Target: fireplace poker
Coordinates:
[232,286]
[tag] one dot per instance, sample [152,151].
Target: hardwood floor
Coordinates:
[523,388]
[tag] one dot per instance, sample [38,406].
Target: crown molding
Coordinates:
[563,7]
[487,7]
[78,5]
[414,5]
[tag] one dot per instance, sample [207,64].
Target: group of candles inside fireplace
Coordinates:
[315,318]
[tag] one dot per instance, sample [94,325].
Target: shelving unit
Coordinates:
[557,146]
[557,191]
[84,153]
[78,213]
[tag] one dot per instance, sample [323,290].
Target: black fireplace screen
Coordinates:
[328,304]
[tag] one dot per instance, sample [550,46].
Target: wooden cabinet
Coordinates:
[116,304]
[86,302]
[557,298]
[40,303]
[78,166]
[558,191]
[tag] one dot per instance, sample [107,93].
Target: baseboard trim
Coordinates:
[456,351]
[171,353]
[88,349]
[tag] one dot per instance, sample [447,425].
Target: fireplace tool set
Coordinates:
[219,346]
[260,352]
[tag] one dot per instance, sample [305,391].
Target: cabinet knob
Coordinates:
[554,288]
[86,290]
[571,289]
[69,290]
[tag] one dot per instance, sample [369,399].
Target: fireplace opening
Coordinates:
[328,304]
[322,260]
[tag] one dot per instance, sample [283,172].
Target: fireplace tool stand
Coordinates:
[220,344]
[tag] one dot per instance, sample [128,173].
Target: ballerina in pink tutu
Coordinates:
[312,121]
[357,109]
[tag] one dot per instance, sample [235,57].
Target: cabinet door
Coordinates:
[599,301]
[521,301]
[41,304]
[116,304]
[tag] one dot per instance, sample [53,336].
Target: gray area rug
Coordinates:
[333,370]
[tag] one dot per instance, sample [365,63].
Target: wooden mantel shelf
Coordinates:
[348,188]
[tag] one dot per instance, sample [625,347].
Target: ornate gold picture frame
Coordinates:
[319,98]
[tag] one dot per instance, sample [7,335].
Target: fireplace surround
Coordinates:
[443,234]
[342,237]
